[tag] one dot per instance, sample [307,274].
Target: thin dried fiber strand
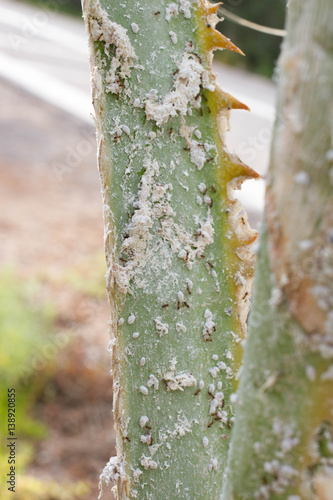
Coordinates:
[250,24]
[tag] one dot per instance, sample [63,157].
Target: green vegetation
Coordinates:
[28,349]
[261,50]
[32,488]
[25,339]
[71,7]
[25,332]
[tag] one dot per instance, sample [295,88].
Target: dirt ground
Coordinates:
[51,223]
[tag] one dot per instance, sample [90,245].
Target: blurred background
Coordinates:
[53,306]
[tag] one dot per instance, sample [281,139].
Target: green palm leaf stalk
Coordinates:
[178,264]
[282,443]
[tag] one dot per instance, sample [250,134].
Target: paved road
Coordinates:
[45,53]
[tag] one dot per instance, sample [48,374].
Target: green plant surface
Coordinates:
[282,443]
[178,266]
[280,438]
